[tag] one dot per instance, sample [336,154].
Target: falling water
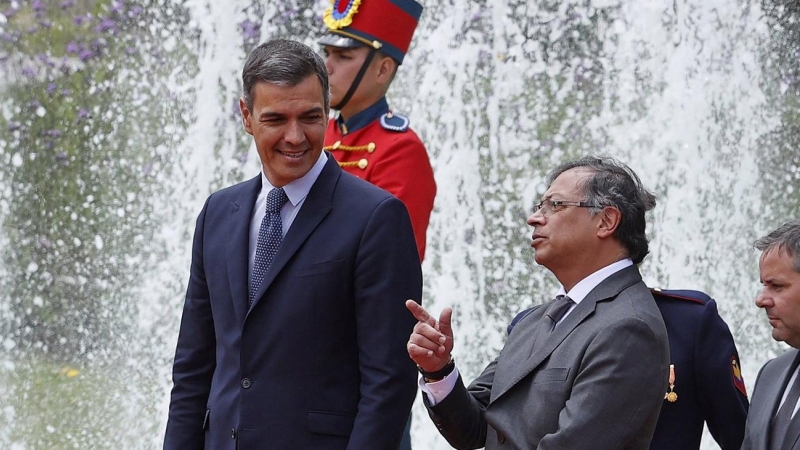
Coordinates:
[697,96]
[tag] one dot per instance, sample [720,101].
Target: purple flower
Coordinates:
[135,11]
[118,7]
[28,72]
[80,20]
[38,6]
[107,24]
[51,88]
[251,30]
[130,50]
[85,55]
[34,104]
[10,12]
[53,133]
[66,4]
[14,126]
[66,92]
[46,24]
[32,29]
[62,158]
[73,47]
[83,113]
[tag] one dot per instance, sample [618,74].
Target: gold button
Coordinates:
[337,144]
[371,147]
[362,163]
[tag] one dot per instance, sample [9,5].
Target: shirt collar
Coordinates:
[298,189]
[363,118]
[582,289]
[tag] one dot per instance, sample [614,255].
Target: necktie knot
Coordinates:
[276,199]
[558,308]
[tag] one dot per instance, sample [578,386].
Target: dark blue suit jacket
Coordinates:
[319,360]
[708,378]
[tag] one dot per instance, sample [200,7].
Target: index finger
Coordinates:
[419,313]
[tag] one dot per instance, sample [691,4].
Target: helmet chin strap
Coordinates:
[356,81]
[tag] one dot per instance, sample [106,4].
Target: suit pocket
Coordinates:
[550,375]
[336,424]
[318,268]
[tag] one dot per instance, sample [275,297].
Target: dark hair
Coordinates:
[284,63]
[612,183]
[787,238]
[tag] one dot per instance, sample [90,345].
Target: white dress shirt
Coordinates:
[297,191]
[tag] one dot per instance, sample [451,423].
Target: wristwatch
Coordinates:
[439,375]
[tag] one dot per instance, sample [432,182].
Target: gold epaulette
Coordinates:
[350,148]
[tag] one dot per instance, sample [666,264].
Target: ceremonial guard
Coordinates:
[365,42]
[705,380]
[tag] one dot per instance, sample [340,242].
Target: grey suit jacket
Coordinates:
[770,384]
[597,382]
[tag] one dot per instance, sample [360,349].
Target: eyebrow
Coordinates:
[276,115]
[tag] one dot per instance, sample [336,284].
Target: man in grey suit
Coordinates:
[772,422]
[585,371]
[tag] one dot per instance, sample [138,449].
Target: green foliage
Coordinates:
[88,131]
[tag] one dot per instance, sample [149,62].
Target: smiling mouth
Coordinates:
[293,155]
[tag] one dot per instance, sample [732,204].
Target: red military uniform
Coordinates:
[378,146]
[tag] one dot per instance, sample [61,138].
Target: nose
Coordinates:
[763,300]
[536,218]
[294,133]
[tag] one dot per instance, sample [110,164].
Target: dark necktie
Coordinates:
[557,309]
[780,423]
[270,235]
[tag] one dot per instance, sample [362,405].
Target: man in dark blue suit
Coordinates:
[294,326]
[706,383]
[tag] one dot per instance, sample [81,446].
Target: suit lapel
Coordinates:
[793,431]
[241,212]
[316,206]
[511,361]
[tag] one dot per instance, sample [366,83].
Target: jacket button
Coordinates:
[246,383]
[233,433]
[500,438]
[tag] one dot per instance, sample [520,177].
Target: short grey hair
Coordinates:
[786,238]
[283,63]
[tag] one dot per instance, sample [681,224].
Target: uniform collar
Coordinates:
[363,118]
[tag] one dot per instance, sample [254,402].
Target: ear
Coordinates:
[246,116]
[609,219]
[386,69]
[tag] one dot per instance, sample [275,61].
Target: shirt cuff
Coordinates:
[438,390]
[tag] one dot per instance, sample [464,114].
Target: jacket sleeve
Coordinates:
[460,417]
[387,274]
[720,385]
[195,358]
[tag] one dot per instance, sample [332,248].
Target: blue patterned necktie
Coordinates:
[270,235]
